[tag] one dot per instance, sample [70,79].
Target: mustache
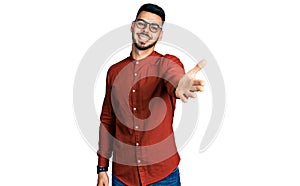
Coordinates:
[145,34]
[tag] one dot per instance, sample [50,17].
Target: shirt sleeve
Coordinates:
[173,71]
[107,126]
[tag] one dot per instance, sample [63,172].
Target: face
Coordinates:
[145,38]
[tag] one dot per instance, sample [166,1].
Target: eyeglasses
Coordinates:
[142,24]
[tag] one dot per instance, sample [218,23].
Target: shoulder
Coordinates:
[173,59]
[115,68]
[167,56]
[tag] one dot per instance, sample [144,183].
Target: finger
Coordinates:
[190,94]
[103,183]
[198,67]
[197,89]
[183,98]
[202,63]
[198,82]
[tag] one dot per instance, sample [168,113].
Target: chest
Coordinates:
[141,81]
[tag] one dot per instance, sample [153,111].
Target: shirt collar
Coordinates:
[154,53]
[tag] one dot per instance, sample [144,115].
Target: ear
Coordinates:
[132,25]
[160,35]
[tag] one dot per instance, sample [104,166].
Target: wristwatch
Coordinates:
[101,169]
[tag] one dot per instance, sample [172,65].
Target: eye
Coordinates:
[154,27]
[141,24]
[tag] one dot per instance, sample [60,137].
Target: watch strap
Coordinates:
[101,169]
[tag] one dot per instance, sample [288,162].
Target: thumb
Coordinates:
[198,67]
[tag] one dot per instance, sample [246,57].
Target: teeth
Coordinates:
[143,38]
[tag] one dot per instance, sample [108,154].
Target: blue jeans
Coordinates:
[172,180]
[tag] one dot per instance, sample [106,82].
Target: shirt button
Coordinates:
[139,161]
[133,90]
[137,144]
[134,108]
[137,62]
[135,74]
[136,127]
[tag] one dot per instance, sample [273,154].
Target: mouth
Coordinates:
[143,38]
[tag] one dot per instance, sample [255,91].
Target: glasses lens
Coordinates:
[154,27]
[141,24]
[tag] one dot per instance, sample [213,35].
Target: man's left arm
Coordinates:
[173,71]
[180,84]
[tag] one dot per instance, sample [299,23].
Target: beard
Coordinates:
[142,47]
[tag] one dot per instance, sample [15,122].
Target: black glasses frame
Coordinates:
[146,24]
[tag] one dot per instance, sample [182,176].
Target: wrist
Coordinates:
[101,169]
[176,93]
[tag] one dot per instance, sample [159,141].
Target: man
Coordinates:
[138,108]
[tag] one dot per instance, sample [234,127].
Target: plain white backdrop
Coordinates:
[256,44]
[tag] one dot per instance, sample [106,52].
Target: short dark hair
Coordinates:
[153,9]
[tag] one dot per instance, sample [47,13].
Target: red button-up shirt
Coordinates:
[137,116]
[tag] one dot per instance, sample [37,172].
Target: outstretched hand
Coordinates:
[188,84]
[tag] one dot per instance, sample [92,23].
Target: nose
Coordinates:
[147,28]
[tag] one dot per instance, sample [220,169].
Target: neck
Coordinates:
[140,54]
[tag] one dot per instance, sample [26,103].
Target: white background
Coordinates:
[256,44]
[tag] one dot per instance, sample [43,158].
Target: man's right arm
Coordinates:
[106,133]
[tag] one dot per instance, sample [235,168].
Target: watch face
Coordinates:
[102,169]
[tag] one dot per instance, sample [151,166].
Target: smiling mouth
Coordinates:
[143,38]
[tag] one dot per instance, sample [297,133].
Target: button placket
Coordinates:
[138,148]
[133,97]
[136,124]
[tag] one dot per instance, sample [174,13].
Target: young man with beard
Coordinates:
[138,108]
